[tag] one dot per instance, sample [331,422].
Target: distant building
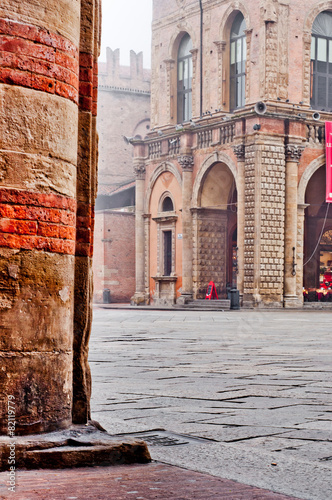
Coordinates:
[231,179]
[123,113]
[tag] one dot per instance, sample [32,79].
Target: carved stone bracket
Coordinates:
[239,151]
[186,162]
[293,152]
[139,170]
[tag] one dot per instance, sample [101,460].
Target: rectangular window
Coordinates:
[313,48]
[167,253]
[322,49]
[321,90]
[233,52]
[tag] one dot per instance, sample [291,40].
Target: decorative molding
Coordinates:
[186,162]
[293,152]
[269,11]
[239,151]
[163,167]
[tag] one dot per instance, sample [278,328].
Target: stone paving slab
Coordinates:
[152,481]
[258,383]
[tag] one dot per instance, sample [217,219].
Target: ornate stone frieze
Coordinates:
[293,152]
[139,170]
[239,151]
[186,162]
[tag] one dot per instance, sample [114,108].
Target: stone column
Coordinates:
[139,296]
[239,151]
[293,155]
[147,223]
[186,162]
[300,250]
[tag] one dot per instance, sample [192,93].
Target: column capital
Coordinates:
[239,151]
[293,152]
[139,170]
[186,162]
[221,46]
[169,64]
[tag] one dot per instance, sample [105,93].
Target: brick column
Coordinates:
[139,296]
[47,186]
[293,155]
[186,162]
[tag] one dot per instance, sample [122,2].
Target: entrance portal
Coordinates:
[216,221]
[317,264]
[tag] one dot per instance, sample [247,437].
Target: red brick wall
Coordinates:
[114,255]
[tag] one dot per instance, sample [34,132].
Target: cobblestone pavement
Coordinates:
[242,395]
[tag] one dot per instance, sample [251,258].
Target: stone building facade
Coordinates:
[230,183]
[48,153]
[123,112]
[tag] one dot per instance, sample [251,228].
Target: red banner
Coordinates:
[328,141]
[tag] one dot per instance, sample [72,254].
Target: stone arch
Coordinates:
[224,50]
[307,29]
[311,16]
[164,167]
[166,194]
[306,176]
[175,39]
[217,157]
[229,16]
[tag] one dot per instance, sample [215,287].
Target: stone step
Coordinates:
[202,304]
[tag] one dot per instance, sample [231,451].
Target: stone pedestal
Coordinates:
[76,446]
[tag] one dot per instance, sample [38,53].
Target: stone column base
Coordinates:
[80,445]
[138,299]
[184,299]
[292,302]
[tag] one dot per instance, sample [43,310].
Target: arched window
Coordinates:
[238,48]
[321,62]
[185,72]
[167,205]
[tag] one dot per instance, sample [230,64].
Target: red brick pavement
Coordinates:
[126,482]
